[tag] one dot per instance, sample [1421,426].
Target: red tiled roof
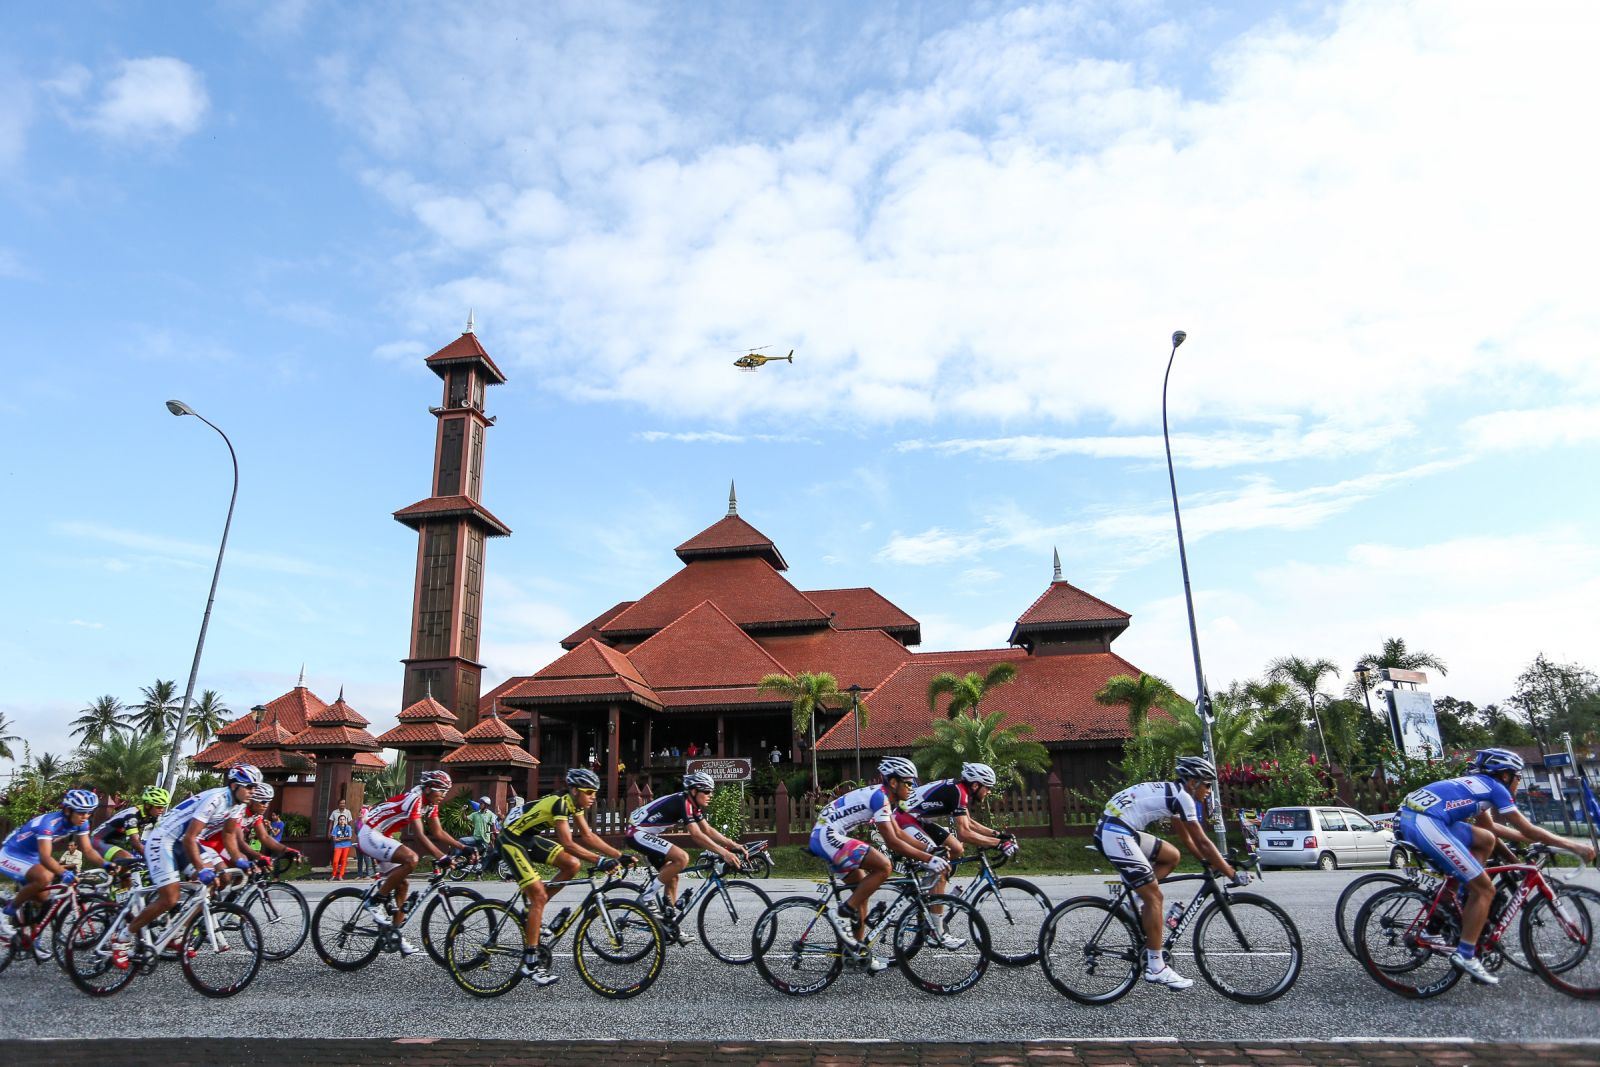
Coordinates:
[491,729]
[702,648]
[490,752]
[427,710]
[748,590]
[218,753]
[1064,603]
[430,732]
[242,727]
[273,734]
[336,737]
[465,349]
[863,609]
[592,660]
[486,701]
[293,709]
[369,761]
[741,695]
[592,627]
[731,536]
[449,507]
[578,690]
[853,657]
[1053,694]
[273,759]
[337,714]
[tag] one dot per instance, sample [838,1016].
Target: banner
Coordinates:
[1416,723]
[1590,803]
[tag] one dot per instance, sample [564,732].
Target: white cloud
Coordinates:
[86,624]
[15,118]
[155,99]
[716,437]
[1567,424]
[171,551]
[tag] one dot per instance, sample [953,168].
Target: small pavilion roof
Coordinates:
[427,710]
[337,714]
[450,507]
[731,536]
[1063,607]
[218,753]
[369,761]
[863,608]
[748,590]
[273,734]
[590,672]
[273,759]
[421,735]
[489,743]
[465,349]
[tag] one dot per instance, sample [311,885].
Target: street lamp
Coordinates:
[178,407]
[1363,672]
[855,716]
[1202,702]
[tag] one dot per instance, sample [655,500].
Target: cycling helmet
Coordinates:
[583,778]
[978,774]
[435,780]
[1196,767]
[898,767]
[699,780]
[1495,760]
[155,797]
[80,800]
[262,793]
[245,774]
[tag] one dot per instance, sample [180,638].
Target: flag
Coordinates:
[1590,802]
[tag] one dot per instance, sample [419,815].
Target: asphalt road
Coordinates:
[697,998]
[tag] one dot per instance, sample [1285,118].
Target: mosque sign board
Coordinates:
[723,770]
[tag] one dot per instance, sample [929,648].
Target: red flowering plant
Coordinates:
[1295,778]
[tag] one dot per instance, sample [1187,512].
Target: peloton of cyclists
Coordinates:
[28,854]
[418,808]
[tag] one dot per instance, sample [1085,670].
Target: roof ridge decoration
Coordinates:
[470,328]
[1056,553]
[733,500]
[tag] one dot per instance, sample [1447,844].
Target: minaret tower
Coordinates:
[452,525]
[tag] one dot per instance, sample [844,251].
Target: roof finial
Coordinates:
[733,500]
[301,684]
[429,680]
[341,694]
[1057,553]
[469,322]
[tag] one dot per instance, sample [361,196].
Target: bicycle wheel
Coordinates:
[618,948]
[223,956]
[943,951]
[88,952]
[1357,893]
[1014,910]
[54,936]
[795,948]
[726,916]
[1091,951]
[346,936]
[1248,949]
[441,911]
[1559,940]
[1405,942]
[281,912]
[483,948]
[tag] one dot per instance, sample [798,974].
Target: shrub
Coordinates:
[726,811]
[295,824]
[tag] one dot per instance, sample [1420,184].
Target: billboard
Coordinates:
[1415,723]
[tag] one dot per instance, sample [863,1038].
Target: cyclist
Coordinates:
[235,837]
[1453,824]
[415,807]
[122,834]
[862,865]
[522,844]
[28,853]
[648,823]
[1142,859]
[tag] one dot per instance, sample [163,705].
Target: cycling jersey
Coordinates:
[867,804]
[665,812]
[51,826]
[117,831]
[399,810]
[1457,799]
[1140,805]
[541,815]
[212,840]
[211,809]
[948,797]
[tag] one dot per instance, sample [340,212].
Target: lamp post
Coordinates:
[855,716]
[1202,703]
[177,407]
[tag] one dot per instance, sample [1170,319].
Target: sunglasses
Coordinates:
[590,792]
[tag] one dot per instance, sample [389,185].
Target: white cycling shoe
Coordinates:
[1473,969]
[535,972]
[407,948]
[1168,977]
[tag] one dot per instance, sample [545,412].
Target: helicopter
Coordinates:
[753,359]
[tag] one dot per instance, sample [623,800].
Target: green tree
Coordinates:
[1236,734]
[100,719]
[157,711]
[1558,698]
[979,739]
[51,773]
[123,763]
[1343,723]
[391,781]
[967,692]
[1395,653]
[1280,717]
[1305,675]
[7,738]
[808,694]
[1139,695]
[1461,725]
[206,716]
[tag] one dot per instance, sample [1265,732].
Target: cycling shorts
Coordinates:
[162,862]
[522,854]
[1130,851]
[380,847]
[16,867]
[929,835]
[842,853]
[1447,846]
[111,852]
[653,845]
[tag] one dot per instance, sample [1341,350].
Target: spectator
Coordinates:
[72,859]
[514,805]
[777,755]
[275,828]
[364,863]
[484,824]
[693,748]
[334,815]
[343,835]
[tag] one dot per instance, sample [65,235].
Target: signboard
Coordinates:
[1395,674]
[1415,723]
[723,770]
[1557,759]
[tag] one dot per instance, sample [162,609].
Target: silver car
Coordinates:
[1323,836]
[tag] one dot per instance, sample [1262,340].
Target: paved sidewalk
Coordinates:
[427,1052]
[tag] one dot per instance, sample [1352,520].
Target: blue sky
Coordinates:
[976,224]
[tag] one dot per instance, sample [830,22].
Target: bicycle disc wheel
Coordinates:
[1252,959]
[222,957]
[795,948]
[441,911]
[1357,893]
[1090,951]
[1559,940]
[943,951]
[726,917]
[483,948]
[1404,942]
[619,948]
[284,918]
[1014,910]
[88,953]
[346,936]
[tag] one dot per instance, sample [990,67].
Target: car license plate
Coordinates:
[1273,843]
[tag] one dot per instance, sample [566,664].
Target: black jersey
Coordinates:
[948,797]
[667,811]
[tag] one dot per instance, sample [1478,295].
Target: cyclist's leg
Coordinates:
[658,850]
[390,856]
[531,886]
[1138,857]
[1450,848]
[674,864]
[566,865]
[33,880]
[163,873]
[401,863]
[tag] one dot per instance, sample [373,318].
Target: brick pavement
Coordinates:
[426,1052]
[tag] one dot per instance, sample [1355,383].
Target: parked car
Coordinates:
[1325,837]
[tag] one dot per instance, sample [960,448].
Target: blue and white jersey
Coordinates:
[1140,805]
[51,826]
[1458,799]
[212,809]
[867,804]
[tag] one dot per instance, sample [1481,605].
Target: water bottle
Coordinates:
[875,915]
[684,898]
[561,917]
[1174,913]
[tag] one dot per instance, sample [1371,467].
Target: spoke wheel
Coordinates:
[483,948]
[1357,893]
[346,936]
[1253,959]
[55,936]
[1405,943]
[1091,951]
[1559,940]
[441,911]
[284,918]
[618,948]
[795,948]
[222,957]
[1014,910]
[726,917]
[942,946]
[88,953]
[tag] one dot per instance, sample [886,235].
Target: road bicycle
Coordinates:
[217,943]
[1013,908]
[939,941]
[617,946]
[349,927]
[40,924]
[280,910]
[1244,945]
[1406,935]
[724,908]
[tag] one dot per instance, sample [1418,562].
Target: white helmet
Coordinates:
[262,793]
[699,780]
[978,774]
[897,767]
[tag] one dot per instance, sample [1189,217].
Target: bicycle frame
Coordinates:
[1531,882]
[173,922]
[1121,898]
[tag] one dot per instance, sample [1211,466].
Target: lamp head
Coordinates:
[1362,671]
[1178,337]
[178,407]
[257,711]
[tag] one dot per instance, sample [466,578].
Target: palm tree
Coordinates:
[808,693]
[391,781]
[968,692]
[979,739]
[1139,695]
[99,720]
[6,738]
[1280,722]
[123,763]
[1305,675]
[1396,654]
[158,711]
[206,716]
[1236,734]
[49,772]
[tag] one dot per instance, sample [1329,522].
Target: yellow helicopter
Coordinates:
[753,359]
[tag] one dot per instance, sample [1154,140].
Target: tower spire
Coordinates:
[301,684]
[1056,552]
[733,500]
[469,328]
[341,694]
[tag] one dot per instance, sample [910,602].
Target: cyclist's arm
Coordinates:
[1199,845]
[1519,822]
[970,829]
[706,836]
[91,855]
[900,842]
[436,830]
[191,843]
[592,848]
